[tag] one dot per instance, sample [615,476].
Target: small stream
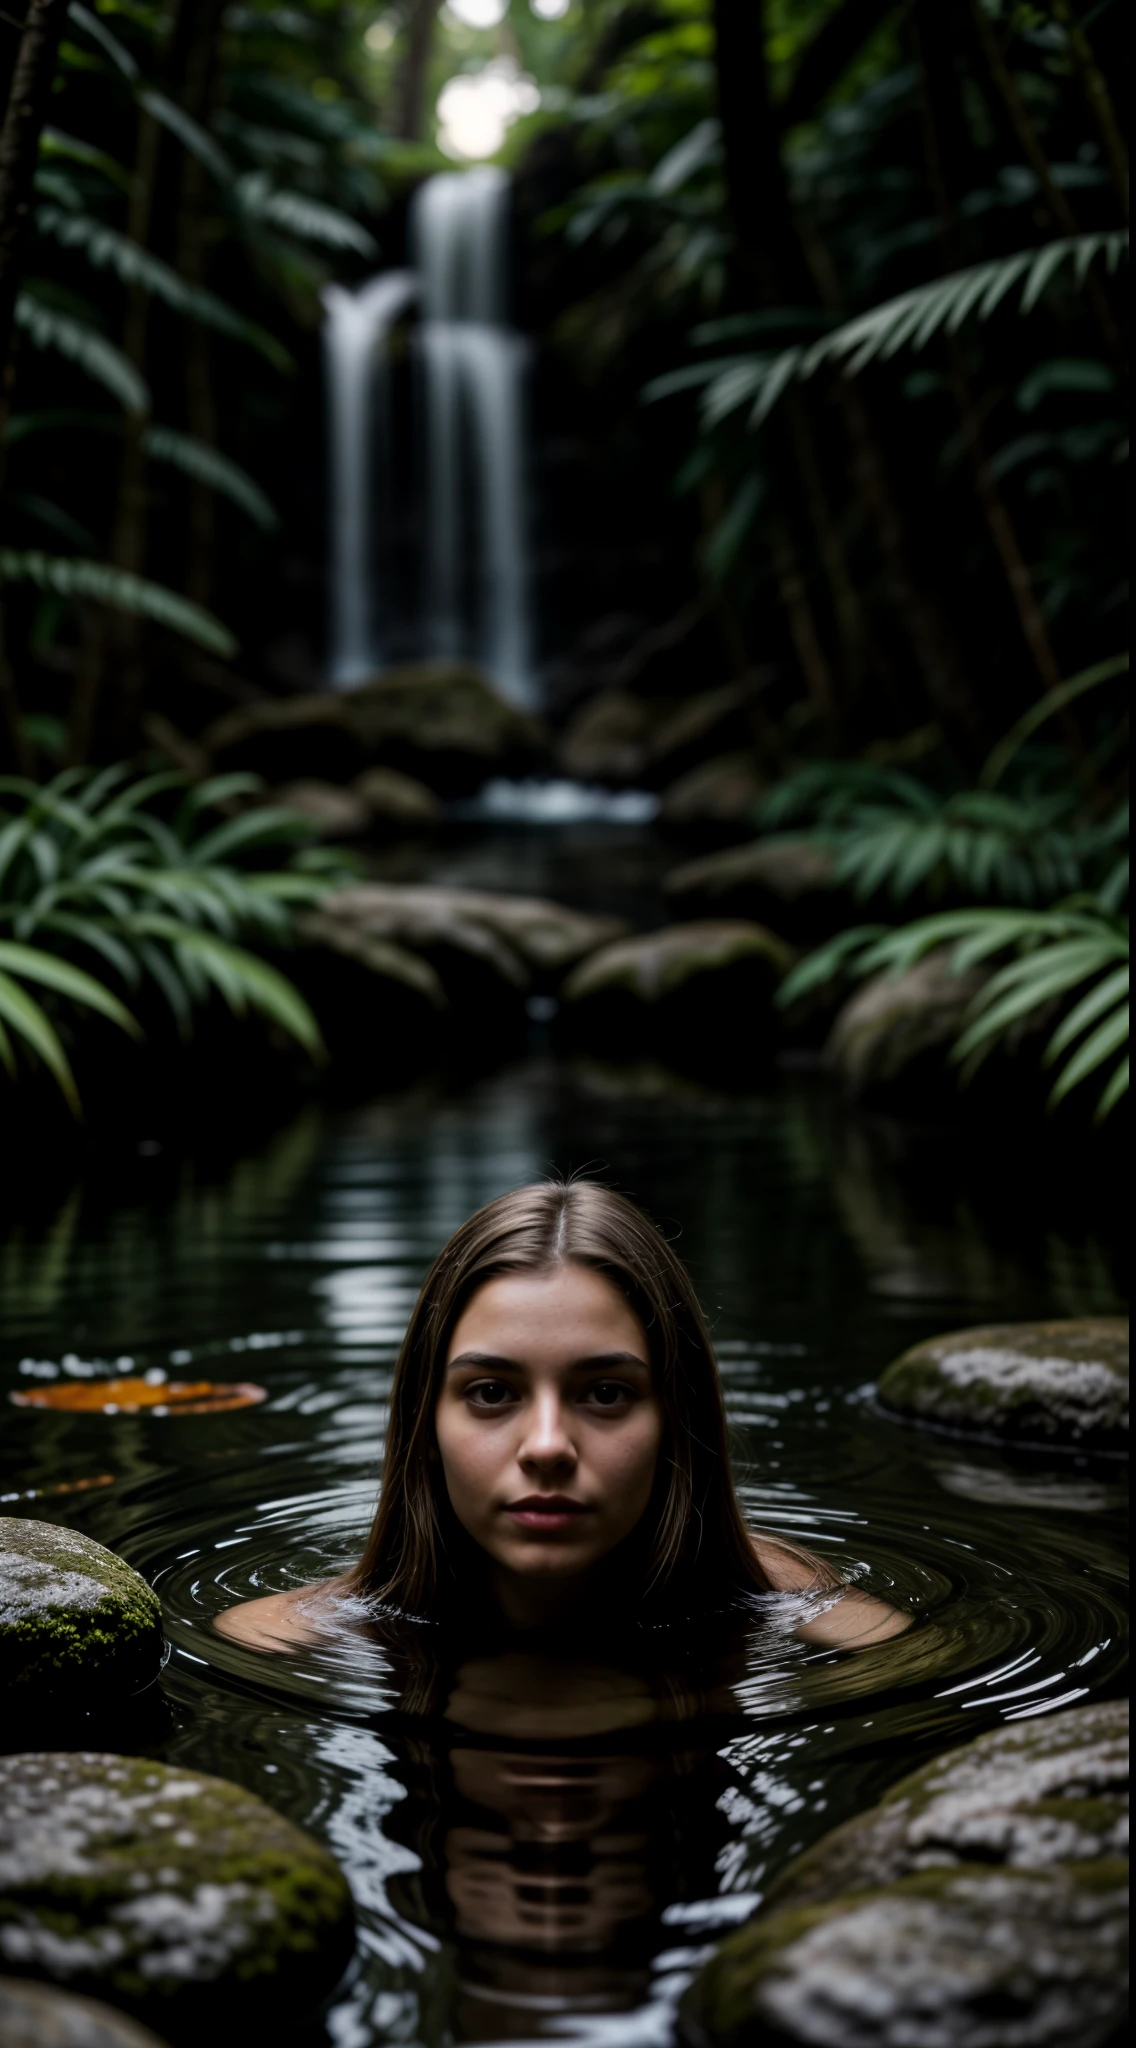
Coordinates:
[542,1847]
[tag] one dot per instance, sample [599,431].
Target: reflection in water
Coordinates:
[542,1839]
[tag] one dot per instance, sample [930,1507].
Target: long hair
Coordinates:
[693,1544]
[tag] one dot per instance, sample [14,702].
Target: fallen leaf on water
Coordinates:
[126,1397]
[60,1486]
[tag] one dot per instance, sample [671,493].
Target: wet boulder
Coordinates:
[965,1958]
[75,1620]
[712,723]
[785,879]
[892,1038]
[178,1896]
[711,983]
[1030,1794]
[718,797]
[40,2016]
[442,723]
[607,738]
[981,1904]
[336,813]
[397,802]
[465,936]
[1047,1385]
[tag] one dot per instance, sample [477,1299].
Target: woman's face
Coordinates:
[548,1428]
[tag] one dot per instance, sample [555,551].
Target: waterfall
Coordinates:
[355,344]
[470,366]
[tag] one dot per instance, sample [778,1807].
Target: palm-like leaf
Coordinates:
[71,576]
[90,351]
[208,466]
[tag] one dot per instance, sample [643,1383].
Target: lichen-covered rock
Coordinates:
[786,879]
[397,801]
[606,739]
[509,938]
[654,966]
[717,796]
[981,1904]
[336,813]
[439,721]
[1043,1384]
[41,2016]
[896,1031]
[170,1893]
[965,1958]
[1034,1793]
[71,1615]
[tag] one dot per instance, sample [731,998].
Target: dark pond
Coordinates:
[539,1848]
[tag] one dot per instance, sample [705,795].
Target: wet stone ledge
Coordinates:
[982,1904]
[39,2016]
[1058,1385]
[77,1624]
[177,1896]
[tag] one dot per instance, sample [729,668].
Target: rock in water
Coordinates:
[785,879]
[710,981]
[982,1904]
[717,796]
[39,2016]
[336,813]
[178,1896]
[1031,1794]
[74,1618]
[969,1958]
[1061,1384]
[892,1038]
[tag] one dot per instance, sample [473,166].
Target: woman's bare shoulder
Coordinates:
[850,1620]
[281,1621]
[790,1570]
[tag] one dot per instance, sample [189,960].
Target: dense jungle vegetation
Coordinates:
[829,303]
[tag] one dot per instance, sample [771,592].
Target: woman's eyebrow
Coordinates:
[602,1361]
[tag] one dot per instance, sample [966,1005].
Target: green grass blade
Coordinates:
[26,1018]
[1114,1093]
[1112,989]
[1108,1038]
[31,964]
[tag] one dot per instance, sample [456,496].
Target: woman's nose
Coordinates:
[548,1440]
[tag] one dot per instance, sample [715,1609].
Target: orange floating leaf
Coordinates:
[128,1396]
[61,1486]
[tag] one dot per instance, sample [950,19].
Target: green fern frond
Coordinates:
[90,351]
[70,576]
[208,466]
[310,220]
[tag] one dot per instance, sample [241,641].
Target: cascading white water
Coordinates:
[355,342]
[471,366]
[473,372]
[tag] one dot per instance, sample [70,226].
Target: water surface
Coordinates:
[542,1845]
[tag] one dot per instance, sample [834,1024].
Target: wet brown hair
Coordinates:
[692,1545]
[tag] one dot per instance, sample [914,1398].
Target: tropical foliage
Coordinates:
[1075,955]
[111,884]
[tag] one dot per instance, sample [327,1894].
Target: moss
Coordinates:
[154,1885]
[725,2004]
[69,1608]
[1044,1383]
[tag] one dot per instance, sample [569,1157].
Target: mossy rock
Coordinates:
[1034,1793]
[172,1894]
[72,1615]
[712,982]
[40,2016]
[952,1958]
[1059,1384]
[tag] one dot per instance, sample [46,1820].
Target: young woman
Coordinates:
[557,1454]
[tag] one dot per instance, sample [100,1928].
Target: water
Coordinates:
[359,433]
[470,367]
[542,1847]
[472,373]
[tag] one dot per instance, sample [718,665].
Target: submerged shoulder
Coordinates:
[280,1621]
[790,1570]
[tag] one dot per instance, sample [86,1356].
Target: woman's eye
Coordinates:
[609,1394]
[489,1393]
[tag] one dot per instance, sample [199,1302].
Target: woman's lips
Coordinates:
[546,1512]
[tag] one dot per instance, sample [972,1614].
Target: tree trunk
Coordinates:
[24,118]
[935,74]
[199,88]
[1057,205]
[1098,96]
[410,112]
